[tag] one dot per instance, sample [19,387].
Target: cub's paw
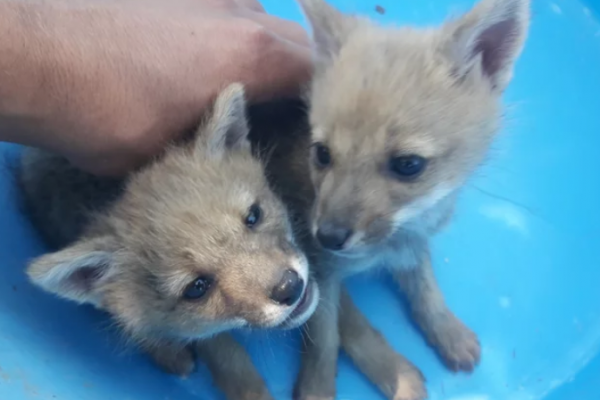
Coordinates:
[179,362]
[410,385]
[396,377]
[304,396]
[313,390]
[252,395]
[457,345]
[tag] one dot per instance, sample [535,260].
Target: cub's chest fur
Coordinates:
[403,250]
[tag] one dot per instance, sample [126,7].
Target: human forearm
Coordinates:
[25,62]
[57,79]
[108,83]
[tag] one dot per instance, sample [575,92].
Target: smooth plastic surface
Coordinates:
[520,264]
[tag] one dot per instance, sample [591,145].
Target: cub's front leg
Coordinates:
[232,369]
[457,345]
[321,342]
[393,374]
[173,358]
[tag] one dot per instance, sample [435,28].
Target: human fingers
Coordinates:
[286,29]
[253,5]
[283,70]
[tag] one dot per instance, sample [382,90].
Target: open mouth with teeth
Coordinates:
[304,307]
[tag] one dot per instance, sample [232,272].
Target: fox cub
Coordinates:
[182,251]
[399,119]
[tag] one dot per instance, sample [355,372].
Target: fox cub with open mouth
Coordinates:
[400,119]
[191,246]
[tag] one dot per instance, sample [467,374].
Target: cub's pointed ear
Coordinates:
[78,272]
[329,26]
[227,128]
[489,39]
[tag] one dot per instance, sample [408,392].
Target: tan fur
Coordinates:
[232,369]
[179,219]
[321,346]
[379,93]
[457,345]
[396,377]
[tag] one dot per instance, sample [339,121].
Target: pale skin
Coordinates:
[109,83]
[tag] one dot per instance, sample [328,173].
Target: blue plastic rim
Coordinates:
[520,264]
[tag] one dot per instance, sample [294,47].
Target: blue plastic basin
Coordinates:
[520,264]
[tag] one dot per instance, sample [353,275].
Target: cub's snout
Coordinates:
[333,236]
[290,299]
[289,289]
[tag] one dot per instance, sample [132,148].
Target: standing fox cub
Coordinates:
[193,245]
[400,119]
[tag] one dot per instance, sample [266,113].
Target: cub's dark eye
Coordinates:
[407,167]
[254,215]
[197,289]
[322,156]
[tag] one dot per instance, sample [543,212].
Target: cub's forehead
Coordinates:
[183,211]
[423,116]
[240,194]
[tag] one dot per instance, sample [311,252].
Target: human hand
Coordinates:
[128,76]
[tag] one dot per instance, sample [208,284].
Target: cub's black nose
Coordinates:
[289,289]
[333,237]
